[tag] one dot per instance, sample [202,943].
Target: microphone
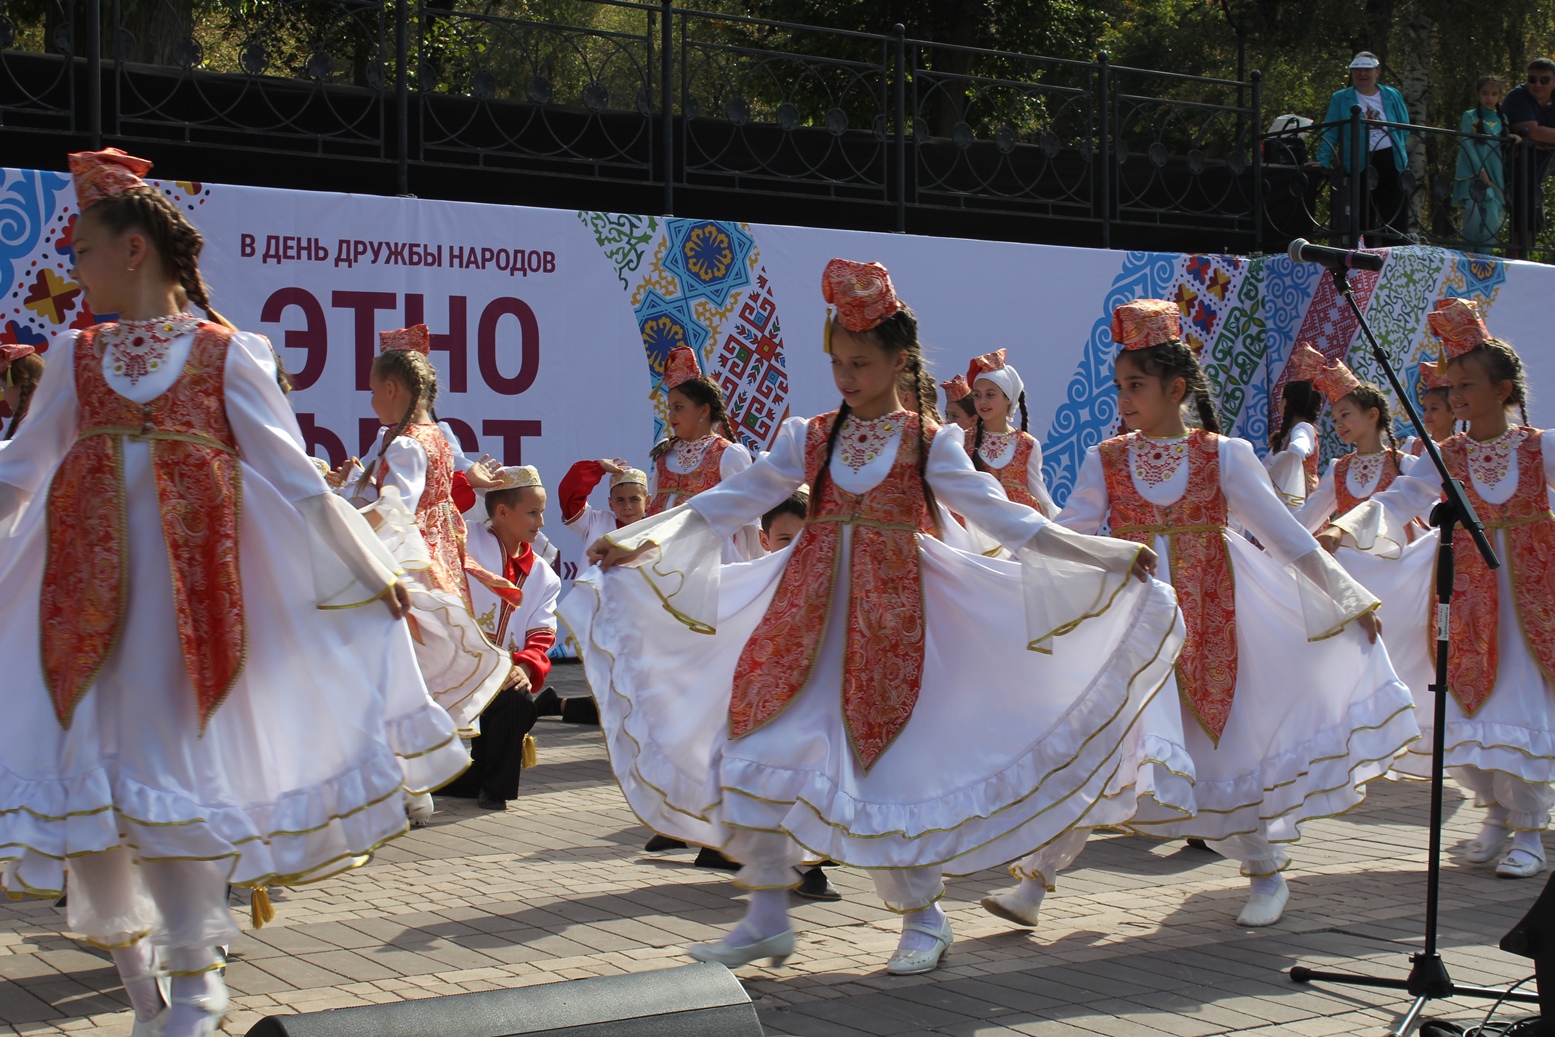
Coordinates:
[1303,251]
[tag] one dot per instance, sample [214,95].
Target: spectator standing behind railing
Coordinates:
[1529,109]
[1479,183]
[1384,146]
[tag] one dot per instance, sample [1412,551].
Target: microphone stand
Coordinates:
[1428,979]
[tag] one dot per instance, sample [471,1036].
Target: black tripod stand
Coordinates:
[1428,978]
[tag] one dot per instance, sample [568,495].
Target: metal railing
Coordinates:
[660,96]
[1469,191]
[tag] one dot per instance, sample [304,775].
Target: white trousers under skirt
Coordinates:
[769,861]
[1527,803]
[113,901]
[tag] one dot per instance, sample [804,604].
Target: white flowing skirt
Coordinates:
[462,668]
[1005,751]
[1513,731]
[1310,724]
[299,774]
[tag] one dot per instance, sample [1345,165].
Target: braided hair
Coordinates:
[1170,360]
[175,239]
[702,391]
[898,334]
[1502,364]
[977,442]
[1302,403]
[1368,396]
[26,372]
[416,373]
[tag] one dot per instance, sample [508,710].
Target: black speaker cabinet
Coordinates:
[689,1001]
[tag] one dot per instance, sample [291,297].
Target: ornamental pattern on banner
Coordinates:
[38,297]
[701,283]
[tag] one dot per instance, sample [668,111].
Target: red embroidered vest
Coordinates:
[1195,528]
[1347,500]
[1012,477]
[685,485]
[883,658]
[1530,552]
[439,521]
[199,482]
[1309,469]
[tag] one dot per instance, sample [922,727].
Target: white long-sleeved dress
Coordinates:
[1317,711]
[1293,470]
[298,773]
[461,667]
[994,759]
[1513,729]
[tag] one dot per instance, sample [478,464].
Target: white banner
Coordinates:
[550,327]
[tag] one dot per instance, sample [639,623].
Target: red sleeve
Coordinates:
[463,493]
[537,643]
[576,486]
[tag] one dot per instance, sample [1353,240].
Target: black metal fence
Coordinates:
[681,106]
[1470,191]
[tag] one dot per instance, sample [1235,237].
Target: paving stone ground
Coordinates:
[1138,942]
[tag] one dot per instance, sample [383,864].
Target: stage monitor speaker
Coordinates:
[689,1001]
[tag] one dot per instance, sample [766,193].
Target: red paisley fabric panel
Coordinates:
[883,656]
[1475,657]
[439,521]
[685,485]
[777,660]
[1309,469]
[1013,475]
[882,669]
[84,576]
[199,490]
[1202,573]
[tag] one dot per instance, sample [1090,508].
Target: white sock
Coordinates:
[1030,891]
[1529,842]
[1268,885]
[201,979]
[766,915]
[135,960]
[1495,826]
[912,940]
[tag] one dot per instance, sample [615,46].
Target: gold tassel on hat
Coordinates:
[530,756]
[260,909]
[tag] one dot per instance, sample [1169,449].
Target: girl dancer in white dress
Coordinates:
[815,701]
[1011,455]
[702,450]
[1293,451]
[193,719]
[1500,736]
[1395,573]
[1266,758]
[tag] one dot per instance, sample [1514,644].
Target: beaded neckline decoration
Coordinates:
[862,439]
[1155,461]
[137,348]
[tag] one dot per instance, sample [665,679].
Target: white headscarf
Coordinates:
[1009,382]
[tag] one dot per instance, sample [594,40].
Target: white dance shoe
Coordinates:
[419,809]
[1483,849]
[1520,864]
[912,963]
[1012,908]
[1264,908]
[731,955]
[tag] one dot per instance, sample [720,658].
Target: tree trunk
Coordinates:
[157,28]
[952,103]
[1415,85]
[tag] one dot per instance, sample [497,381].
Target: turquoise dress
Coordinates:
[1483,198]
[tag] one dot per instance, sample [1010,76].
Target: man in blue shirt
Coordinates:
[1530,112]
[1386,221]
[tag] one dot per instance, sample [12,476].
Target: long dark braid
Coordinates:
[977,447]
[898,334]
[831,445]
[416,373]
[177,242]
[26,372]
[1022,404]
